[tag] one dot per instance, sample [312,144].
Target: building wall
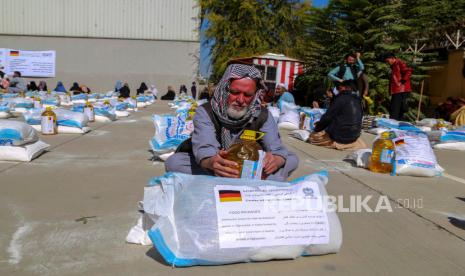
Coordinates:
[448,81]
[98,63]
[130,19]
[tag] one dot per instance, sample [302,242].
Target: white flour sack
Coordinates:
[289,117]
[205,220]
[414,155]
[15,133]
[170,132]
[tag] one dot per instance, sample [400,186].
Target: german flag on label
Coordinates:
[14,53]
[230,196]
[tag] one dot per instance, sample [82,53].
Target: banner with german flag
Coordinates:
[230,196]
[14,53]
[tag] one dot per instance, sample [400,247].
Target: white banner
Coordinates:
[29,63]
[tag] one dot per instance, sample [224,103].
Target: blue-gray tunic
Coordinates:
[205,144]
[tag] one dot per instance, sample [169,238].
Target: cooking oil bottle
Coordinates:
[134,98]
[191,111]
[246,152]
[49,122]
[382,156]
[36,101]
[89,111]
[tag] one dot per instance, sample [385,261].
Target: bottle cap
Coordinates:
[252,135]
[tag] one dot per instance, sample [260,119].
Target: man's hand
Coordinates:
[221,166]
[357,54]
[272,163]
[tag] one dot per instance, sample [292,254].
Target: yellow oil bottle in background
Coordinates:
[89,111]
[246,149]
[382,155]
[49,122]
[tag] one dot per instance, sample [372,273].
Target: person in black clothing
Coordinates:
[194,90]
[142,88]
[32,86]
[2,74]
[169,96]
[125,92]
[341,126]
[183,89]
[42,86]
[75,89]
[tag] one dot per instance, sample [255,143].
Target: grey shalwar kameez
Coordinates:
[205,144]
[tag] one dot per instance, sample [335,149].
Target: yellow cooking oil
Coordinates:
[383,153]
[247,148]
[89,111]
[49,122]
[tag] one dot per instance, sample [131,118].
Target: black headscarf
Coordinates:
[143,87]
[75,87]
[32,86]
[125,92]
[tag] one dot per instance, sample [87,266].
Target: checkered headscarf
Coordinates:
[219,101]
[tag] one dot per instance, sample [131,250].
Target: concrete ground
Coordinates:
[68,212]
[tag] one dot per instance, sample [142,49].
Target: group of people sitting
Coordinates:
[125,92]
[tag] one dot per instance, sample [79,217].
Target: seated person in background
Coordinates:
[169,96]
[5,82]
[235,106]
[32,86]
[282,95]
[75,89]
[85,89]
[154,91]
[142,88]
[60,87]
[341,126]
[17,83]
[42,86]
[125,92]
[458,116]
[118,86]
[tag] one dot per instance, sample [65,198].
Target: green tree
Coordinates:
[240,28]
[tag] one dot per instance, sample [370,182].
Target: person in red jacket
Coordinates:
[399,86]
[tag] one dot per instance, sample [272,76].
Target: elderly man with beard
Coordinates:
[235,106]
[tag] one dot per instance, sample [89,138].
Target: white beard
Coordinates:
[235,114]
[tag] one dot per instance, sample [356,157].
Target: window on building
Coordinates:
[269,73]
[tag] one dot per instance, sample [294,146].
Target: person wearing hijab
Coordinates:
[169,96]
[32,86]
[218,124]
[85,89]
[125,92]
[75,88]
[141,90]
[154,91]
[60,87]
[42,86]
[118,86]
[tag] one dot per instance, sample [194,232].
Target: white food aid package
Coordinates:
[289,117]
[414,155]
[15,133]
[205,220]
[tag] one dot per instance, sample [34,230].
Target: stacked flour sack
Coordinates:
[308,118]
[173,129]
[19,141]
[57,121]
